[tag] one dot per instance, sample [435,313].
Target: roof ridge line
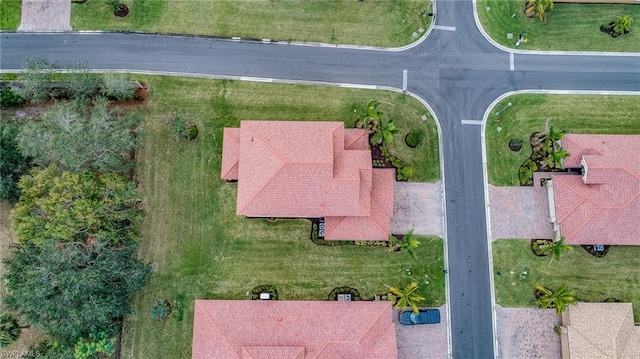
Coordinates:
[215,326]
[586,221]
[371,325]
[275,173]
[344,218]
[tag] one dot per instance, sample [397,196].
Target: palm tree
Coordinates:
[9,329]
[406,297]
[556,248]
[555,135]
[539,7]
[384,134]
[558,156]
[622,24]
[409,243]
[559,299]
[371,119]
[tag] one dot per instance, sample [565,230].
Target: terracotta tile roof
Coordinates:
[230,153]
[308,169]
[604,207]
[374,227]
[602,330]
[244,329]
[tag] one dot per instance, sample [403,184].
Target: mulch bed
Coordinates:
[122,10]
[538,244]
[537,161]
[611,31]
[598,254]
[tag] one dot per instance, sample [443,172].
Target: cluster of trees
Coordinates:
[43,79]
[75,268]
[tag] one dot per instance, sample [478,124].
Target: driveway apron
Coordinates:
[418,206]
[45,16]
[519,212]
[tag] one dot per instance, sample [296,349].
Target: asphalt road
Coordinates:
[458,73]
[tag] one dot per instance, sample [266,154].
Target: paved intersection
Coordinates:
[459,73]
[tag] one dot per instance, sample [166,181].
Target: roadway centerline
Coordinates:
[443,27]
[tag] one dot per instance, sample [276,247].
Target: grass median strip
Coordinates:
[594,279]
[384,23]
[204,251]
[598,114]
[569,27]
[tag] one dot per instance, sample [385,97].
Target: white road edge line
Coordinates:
[404,80]
[511,61]
[472,122]
[356,86]
[443,27]
[255,79]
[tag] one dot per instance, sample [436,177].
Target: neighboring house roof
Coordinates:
[602,330]
[603,205]
[246,329]
[309,169]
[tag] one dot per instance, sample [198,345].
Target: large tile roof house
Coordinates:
[297,169]
[602,205]
[600,330]
[245,329]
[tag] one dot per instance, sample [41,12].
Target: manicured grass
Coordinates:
[571,27]
[10,11]
[204,251]
[572,113]
[593,279]
[377,23]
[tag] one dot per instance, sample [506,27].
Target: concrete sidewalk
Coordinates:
[45,16]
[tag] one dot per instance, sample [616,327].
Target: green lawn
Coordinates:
[571,27]
[372,22]
[204,251]
[594,279]
[572,113]
[10,11]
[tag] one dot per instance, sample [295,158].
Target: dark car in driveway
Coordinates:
[424,316]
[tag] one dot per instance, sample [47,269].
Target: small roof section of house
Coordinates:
[244,329]
[374,227]
[603,205]
[602,330]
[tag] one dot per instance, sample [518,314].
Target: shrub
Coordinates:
[265,288]
[9,98]
[99,343]
[405,173]
[415,137]
[355,294]
[118,87]
[160,310]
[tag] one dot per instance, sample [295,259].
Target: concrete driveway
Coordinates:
[525,333]
[418,206]
[45,16]
[519,212]
[427,341]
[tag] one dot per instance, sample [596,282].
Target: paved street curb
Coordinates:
[485,175]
